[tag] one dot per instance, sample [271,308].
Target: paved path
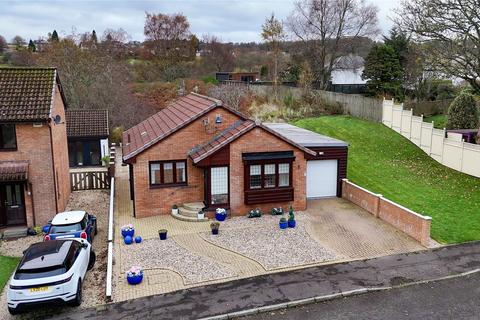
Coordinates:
[288,286]
[447,299]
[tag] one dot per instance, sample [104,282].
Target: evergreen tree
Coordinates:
[463,112]
[383,72]
[400,42]
[31,46]
[94,38]
[54,36]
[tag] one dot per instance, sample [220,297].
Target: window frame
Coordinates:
[262,164]
[174,167]
[14,134]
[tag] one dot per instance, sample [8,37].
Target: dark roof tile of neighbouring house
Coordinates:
[26,94]
[220,140]
[175,116]
[86,123]
[304,137]
[13,171]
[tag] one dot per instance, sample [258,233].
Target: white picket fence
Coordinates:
[448,149]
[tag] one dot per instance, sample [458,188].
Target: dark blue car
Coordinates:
[72,224]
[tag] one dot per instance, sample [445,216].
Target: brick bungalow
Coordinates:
[198,150]
[34,174]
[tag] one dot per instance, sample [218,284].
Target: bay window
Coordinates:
[168,173]
[269,175]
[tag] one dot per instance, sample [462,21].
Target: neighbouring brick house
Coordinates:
[34,173]
[198,150]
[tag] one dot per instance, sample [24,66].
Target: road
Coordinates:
[447,299]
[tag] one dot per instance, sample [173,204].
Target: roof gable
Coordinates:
[26,94]
[87,123]
[175,116]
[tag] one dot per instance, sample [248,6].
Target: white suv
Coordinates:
[50,271]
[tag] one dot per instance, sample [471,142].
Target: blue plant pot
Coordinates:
[133,280]
[220,217]
[283,225]
[128,240]
[292,223]
[128,233]
[163,236]
[138,239]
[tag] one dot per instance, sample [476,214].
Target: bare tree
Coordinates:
[326,29]
[273,34]
[217,54]
[18,41]
[232,96]
[3,44]
[450,32]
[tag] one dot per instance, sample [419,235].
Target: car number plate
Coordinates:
[39,289]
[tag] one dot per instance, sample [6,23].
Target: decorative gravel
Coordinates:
[167,254]
[272,247]
[264,220]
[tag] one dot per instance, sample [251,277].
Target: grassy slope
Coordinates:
[384,162]
[7,264]
[439,120]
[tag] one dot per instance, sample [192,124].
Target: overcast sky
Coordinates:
[231,20]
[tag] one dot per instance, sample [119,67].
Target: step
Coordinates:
[194,206]
[16,232]
[187,212]
[187,218]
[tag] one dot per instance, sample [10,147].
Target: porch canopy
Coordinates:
[13,171]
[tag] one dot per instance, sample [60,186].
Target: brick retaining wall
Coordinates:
[404,219]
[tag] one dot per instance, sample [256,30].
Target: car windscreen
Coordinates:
[27,274]
[66,228]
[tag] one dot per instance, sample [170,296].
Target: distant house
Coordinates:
[197,150]
[237,76]
[347,75]
[87,133]
[34,173]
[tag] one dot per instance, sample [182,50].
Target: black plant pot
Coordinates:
[214,231]
[163,235]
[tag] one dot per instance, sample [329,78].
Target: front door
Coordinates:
[217,187]
[12,204]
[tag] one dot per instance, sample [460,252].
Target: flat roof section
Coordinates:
[304,137]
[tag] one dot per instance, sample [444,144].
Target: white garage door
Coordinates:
[321,178]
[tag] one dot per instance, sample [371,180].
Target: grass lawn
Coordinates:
[384,162]
[7,264]
[439,120]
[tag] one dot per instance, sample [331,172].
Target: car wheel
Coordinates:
[13,311]
[91,261]
[77,301]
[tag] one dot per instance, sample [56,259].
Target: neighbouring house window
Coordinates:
[8,139]
[269,175]
[168,173]
[255,176]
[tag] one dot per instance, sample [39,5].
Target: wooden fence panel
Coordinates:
[89,180]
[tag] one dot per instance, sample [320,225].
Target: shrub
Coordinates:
[116,135]
[463,112]
[210,79]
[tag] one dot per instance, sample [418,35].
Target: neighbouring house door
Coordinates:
[218,185]
[12,204]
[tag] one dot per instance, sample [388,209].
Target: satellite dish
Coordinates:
[57,119]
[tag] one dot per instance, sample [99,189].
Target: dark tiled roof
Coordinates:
[13,171]
[222,139]
[159,126]
[26,93]
[87,123]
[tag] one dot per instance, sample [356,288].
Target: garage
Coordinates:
[325,169]
[322,178]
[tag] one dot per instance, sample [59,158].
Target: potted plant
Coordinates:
[201,214]
[220,214]
[255,213]
[162,233]
[291,218]
[106,161]
[127,230]
[215,226]
[283,223]
[134,275]
[174,209]
[277,211]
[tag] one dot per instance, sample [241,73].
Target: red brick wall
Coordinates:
[150,202]
[259,140]
[60,153]
[406,220]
